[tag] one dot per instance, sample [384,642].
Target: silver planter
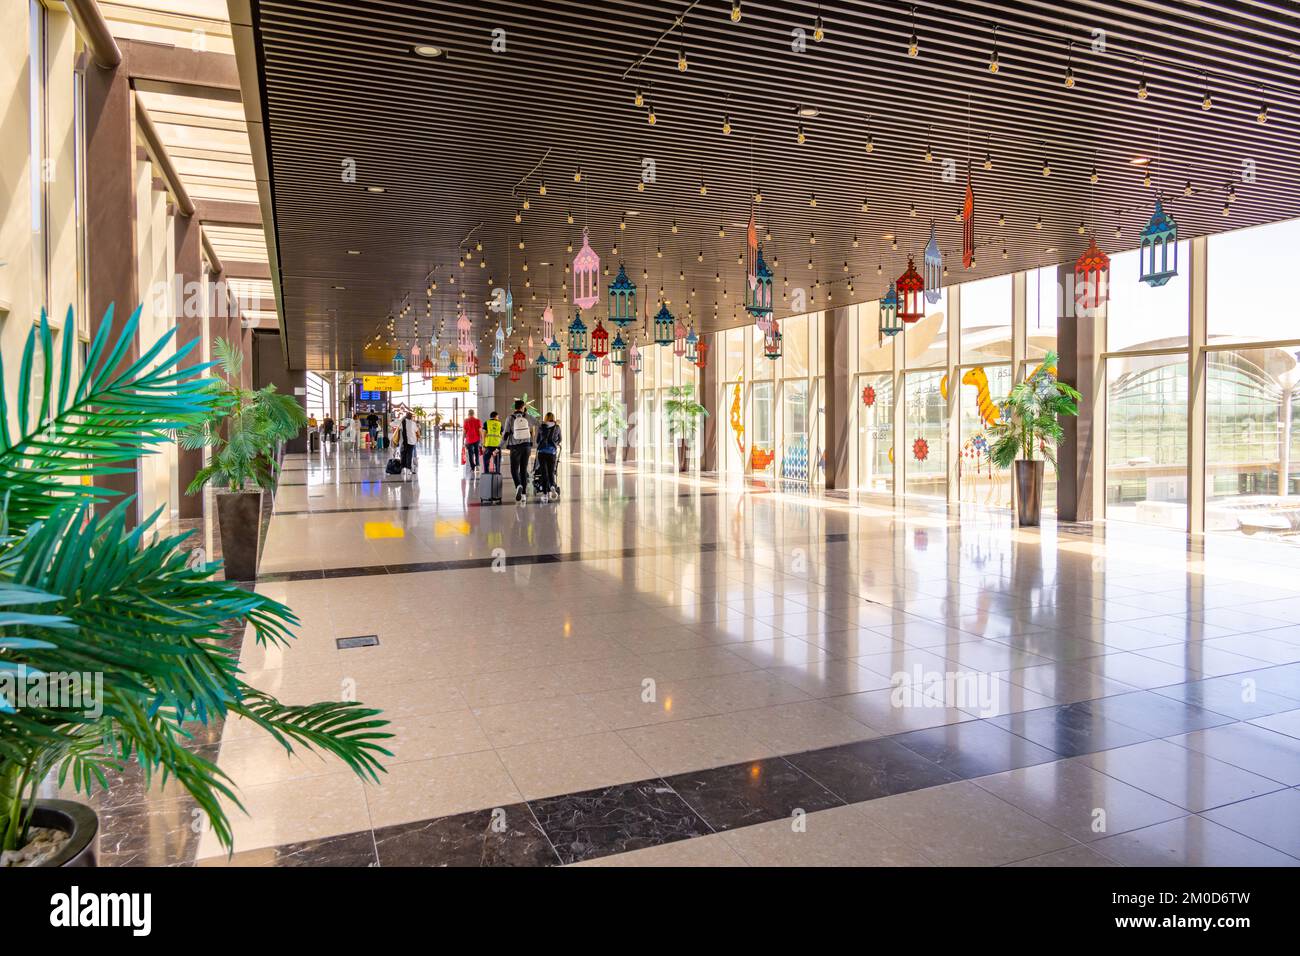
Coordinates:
[1029,492]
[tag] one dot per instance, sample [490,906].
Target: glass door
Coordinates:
[875,394]
[926,469]
[980,387]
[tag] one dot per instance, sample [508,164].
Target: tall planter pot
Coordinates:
[75,819]
[1029,492]
[683,456]
[239,514]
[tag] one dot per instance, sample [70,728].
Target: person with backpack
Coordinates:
[518,433]
[408,436]
[473,439]
[548,447]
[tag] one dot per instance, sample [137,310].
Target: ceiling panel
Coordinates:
[457,142]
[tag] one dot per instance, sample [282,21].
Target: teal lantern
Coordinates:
[692,346]
[452,368]
[758,289]
[1156,264]
[553,352]
[665,325]
[772,342]
[618,350]
[399,363]
[890,323]
[589,366]
[577,335]
[541,364]
[622,299]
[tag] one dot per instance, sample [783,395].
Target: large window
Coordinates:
[1140,316]
[762,444]
[1146,441]
[795,452]
[986,320]
[1250,284]
[875,399]
[925,455]
[980,483]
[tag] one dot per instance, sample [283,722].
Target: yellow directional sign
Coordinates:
[381,383]
[444,383]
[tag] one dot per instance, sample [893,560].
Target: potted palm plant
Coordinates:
[684,414]
[111,643]
[609,420]
[1029,421]
[242,430]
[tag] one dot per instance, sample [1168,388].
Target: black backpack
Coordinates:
[394,466]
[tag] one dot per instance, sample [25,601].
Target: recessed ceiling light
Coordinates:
[354,252]
[427,50]
[340,288]
[374,189]
[1140,161]
[808,111]
[633,212]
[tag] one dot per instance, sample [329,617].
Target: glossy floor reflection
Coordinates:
[666,671]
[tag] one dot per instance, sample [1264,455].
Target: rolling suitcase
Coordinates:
[489,483]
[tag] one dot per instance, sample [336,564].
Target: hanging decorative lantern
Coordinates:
[605,367]
[510,313]
[1156,265]
[548,323]
[415,356]
[557,371]
[575,362]
[577,336]
[1091,279]
[910,287]
[586,275]
[890,323]
[520,360]
[494,365]
[634,359]
[692,346]
[679,340]
[618,350]
[592,359]
[463,331]
[622,299]
[968,226]
[426,369]
[399,363]
[452,368]
[444,358]
[772,341]
[600,340]
[933,269]
[664,325]
[703,351]
[500,347]
[471,363]
[540,364]
[515,374]
[751,252]
[553,352]
[758,291]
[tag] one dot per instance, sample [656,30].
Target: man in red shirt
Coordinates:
[473,439]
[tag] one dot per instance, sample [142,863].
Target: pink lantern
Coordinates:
[548,324]
[679,340]
[462,331]
[634,358]
[586,275]
[605,367]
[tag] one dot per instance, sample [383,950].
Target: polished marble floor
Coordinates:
[666,671]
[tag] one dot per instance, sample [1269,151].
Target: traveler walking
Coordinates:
[491,443]
[409,435]
[548,447]
[473,439]
[519,441]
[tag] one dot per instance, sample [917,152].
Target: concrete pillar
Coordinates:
[110,227]
[1081,339]
[188,307]
[708,397]
[837,327]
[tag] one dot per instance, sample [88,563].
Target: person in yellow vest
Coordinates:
[491,442]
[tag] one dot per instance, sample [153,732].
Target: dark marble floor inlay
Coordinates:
[754,792]
[628,816]
[870,769]
[975,748]
[502,836]
[348,849]
[1070,730]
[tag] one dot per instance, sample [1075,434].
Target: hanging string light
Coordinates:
[1069,67]
[913,43]
[1142,81]
[995,63]
[1206,102]
[819,29]
[735,11]
[1262,115]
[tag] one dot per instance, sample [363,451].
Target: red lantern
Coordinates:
[1091,279]
[968,227]
[702,353]
[911,287]
[471,363]
[426,369]
[515,374]
[600,340]
[575,363]
[557,371]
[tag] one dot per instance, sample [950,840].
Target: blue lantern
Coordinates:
[399,363]
[1155,264]
[890,323]
[500,341]
[553,352]
[933,268]
[665,325]
[772,341]
[618,350]
[692,343]
[541,364]
[758,288]
[510,313]
[494,364]
[590,364]
[452,368]
[622,299]
[577,335]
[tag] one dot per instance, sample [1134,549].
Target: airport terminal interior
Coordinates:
[691,433]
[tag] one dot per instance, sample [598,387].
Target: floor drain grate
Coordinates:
[361,640]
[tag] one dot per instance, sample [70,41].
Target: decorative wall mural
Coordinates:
[920,449]
[868,396]
[988,409]
[761,458]
[737,419]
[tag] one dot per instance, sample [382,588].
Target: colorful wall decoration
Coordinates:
[737,418]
